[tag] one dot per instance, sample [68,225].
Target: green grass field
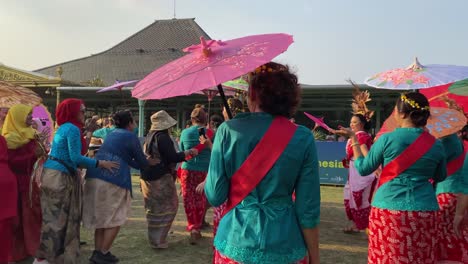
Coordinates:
[131,245]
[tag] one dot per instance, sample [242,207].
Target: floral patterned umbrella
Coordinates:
[418,76]
[11,95]
[209,64]
[441,123]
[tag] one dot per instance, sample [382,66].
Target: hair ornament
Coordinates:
[412,103]
[359,102]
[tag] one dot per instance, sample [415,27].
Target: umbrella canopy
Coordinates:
[209,64]
[212,92]
[436,95]
[41,114]
[237,84]
[441,123]
[459,88]
[117,86]
[418,76]
[230,88]
[11,95]
[318,122]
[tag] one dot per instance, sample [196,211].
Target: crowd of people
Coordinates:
[259,170]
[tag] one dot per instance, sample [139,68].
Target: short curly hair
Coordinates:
[277,89]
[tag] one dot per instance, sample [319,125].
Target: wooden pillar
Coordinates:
[141,117]
[57,92]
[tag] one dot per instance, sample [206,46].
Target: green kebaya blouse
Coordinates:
[266,226]
[453,183]
[411,190]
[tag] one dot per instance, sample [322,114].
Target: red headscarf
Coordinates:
[67,111]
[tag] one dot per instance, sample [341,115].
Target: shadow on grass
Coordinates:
[132,247]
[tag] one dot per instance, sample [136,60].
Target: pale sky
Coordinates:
[334,39]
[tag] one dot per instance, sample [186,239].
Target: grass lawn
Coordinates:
[131,245]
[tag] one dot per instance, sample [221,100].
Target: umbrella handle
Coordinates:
[225,103]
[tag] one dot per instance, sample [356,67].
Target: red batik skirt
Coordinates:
[220,259]
[402,236]
[194,203]
[450,246]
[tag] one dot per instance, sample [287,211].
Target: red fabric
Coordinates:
[218,213]
[194,203]
[67,111]
[6,235]
[27,230]
[220,259]
[210,135]
[431,93]
[261,160]
[8,185]
[21,162]
[360,217]
[456,164]
[402,236]
[363,138]
[450,246]
[407,158]
[28,222]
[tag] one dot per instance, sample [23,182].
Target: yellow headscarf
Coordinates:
[15,130]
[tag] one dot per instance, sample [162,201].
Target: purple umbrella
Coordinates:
[418,76]
[117,86]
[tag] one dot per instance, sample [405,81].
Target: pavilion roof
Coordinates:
[136,56]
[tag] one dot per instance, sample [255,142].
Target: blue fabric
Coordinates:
[411,190]
[453,183]
[189,139]
[124,147]
[103,132]
[66,146]
[266,227]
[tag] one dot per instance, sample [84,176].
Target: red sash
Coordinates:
[260,160]
[407,158]
[456,164]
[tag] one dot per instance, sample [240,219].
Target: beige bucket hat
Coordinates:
[161,121]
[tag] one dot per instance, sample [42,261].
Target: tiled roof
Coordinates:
[135,57]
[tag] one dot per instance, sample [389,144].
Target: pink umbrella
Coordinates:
[209,64]
[319,122]
[117,86]
[44,120]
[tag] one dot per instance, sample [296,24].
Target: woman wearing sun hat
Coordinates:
[159,190]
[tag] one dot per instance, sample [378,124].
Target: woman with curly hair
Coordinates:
[258,160]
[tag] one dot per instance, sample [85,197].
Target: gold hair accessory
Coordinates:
[262,69]
[360,99]
[412,103]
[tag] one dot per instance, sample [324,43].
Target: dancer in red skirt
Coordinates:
[358,189]
[193,172]
[450,246]
[258,160]
[402,225]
